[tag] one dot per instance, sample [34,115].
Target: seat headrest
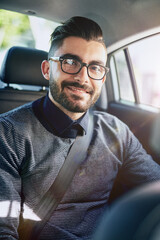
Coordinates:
[22,65]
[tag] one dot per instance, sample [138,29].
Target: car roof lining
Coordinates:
[119,19]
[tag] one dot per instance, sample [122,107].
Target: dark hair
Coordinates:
[78,27]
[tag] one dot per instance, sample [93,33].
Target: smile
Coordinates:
[76,89]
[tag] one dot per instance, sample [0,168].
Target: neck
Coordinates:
[72,115]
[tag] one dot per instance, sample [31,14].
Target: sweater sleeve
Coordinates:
[138,167]
[10,182]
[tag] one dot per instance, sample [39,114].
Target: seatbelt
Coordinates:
[54,195]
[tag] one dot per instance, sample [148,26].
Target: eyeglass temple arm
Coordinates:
[55,59]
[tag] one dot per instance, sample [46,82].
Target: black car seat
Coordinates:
[135,216]
[21,66]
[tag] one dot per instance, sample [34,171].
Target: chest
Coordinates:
[94,177]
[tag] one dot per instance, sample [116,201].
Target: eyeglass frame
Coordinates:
[61,58]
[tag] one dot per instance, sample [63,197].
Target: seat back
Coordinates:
[22,67]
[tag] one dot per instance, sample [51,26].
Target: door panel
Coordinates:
[139,120]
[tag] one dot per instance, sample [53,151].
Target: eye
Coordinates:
[96,68]
[71,62]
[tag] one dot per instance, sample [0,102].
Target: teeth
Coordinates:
[77,89]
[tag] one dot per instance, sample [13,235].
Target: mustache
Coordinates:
[78,85]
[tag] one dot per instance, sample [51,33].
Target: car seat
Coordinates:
[135,216]
[21,67]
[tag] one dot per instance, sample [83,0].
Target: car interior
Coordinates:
[124,23]
[28,62]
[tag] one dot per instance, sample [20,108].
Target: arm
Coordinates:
[138,167]
[10,183]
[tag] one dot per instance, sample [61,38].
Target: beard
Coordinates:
[72,103]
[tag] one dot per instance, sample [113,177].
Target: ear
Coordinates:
[45,68]
[103,80]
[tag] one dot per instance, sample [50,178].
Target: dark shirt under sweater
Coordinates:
[32,153]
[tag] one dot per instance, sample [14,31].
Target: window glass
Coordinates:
[22,30]
[145,56]
[124,81]
[114,77]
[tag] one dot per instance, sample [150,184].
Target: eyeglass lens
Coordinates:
[73,66]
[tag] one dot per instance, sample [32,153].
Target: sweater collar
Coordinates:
[57,121]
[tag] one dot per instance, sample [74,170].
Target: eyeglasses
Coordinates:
[74,66]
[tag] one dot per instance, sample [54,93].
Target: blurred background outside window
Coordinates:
[145,60]
[18,29]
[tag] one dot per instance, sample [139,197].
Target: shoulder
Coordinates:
[17,117]
[110,127]
[16,111]
[107,120]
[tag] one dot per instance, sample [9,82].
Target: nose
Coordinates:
[82,76]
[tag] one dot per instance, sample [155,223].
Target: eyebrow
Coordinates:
[76,57]
[69,55]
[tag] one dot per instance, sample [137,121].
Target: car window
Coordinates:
[138,72]
[18,29]
[121,74]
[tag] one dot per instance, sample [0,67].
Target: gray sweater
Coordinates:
[31,157]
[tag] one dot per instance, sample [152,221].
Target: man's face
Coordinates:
[76,93]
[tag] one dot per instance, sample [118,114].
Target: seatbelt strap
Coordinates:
[53,196]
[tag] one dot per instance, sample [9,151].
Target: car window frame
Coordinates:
[115,84]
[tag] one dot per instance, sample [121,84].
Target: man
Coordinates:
[36,138]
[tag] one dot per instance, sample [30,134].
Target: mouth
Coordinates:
[77,90]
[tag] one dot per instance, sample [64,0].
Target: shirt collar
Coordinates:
[58,122]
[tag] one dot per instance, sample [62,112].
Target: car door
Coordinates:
[133,88]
